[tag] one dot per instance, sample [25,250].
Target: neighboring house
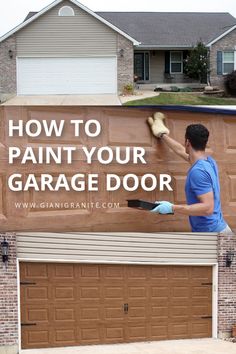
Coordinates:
[68,49]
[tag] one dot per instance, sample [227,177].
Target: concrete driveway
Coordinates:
[191,346]
[64,100]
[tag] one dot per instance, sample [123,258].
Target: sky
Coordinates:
[13,12]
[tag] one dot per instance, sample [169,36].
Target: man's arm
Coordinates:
[205,206]
[178,148]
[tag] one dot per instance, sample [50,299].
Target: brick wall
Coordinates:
[227,287]
[226,43]
[126,63]
[8,299]
[8,66]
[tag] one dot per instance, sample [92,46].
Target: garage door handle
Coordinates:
[28,324]
[206,317]
[206,283]
[27,283]
[126,308]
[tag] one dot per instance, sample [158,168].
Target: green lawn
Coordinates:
[182,99]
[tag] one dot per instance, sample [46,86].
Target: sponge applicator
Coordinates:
[157,125]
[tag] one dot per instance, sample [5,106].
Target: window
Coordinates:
[141,65]
[66,11]
[228,62]
[176,62]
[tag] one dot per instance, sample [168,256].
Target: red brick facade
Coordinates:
[227,287]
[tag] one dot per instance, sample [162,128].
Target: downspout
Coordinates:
[209,67]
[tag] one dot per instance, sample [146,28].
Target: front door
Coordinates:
[141,65]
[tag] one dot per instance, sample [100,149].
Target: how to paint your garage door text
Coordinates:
[67,155]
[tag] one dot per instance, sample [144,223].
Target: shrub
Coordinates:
[197,63]
[230,83]
[186,89]
[174,89]
[128,89]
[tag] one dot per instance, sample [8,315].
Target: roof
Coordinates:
[158,29]
[34,15]
[30,14]
[171,28]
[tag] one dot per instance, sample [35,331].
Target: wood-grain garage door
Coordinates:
[72,304]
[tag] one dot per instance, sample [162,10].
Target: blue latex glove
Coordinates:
[164,207]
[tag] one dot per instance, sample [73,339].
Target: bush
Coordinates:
[186,89]
[230,83]
[128,89]
[174,89]
[197,63]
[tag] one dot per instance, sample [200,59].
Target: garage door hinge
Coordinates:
[27,283]
[206,283]
[206,317]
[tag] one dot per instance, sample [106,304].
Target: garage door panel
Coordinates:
[92,307]
[91,335]
[49,76]
[65,336]
[179,330]
[200,328]
[137,332]
[36,338]
[159,331]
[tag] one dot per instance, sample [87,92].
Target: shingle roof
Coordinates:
[30,14]
[171,28]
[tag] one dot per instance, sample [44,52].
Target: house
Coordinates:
[87,275]
[68,49]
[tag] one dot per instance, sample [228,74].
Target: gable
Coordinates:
[55,35]
[29,19]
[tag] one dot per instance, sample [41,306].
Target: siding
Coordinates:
[119,247]
[80,35]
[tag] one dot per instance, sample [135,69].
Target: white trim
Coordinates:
[215,301]
[18,302]
[56,2]
[182,64]
[221,36]
[161,46]
[67,57]
[50,260]
[227,62]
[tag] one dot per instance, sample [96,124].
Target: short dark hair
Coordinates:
[198,135]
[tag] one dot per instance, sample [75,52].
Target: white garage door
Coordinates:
[48,76]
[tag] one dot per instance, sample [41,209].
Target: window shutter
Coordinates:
[167,62]
[219,62]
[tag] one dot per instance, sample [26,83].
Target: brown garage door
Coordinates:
[74,304]
[120,127]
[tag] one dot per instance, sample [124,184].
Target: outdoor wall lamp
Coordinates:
[5,251]
[229,258]
[121,53]
[10,52]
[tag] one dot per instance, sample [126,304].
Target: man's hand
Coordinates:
[164,207]
[157,125]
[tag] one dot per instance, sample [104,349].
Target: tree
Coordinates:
[230,83]
[197,63]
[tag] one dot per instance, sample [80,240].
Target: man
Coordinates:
[202,186]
